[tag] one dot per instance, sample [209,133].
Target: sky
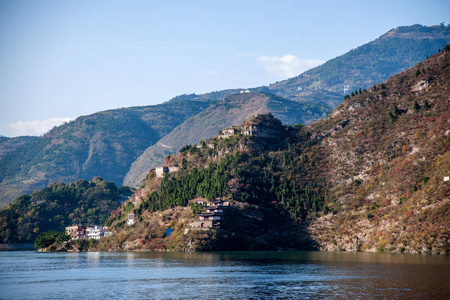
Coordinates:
[62,59]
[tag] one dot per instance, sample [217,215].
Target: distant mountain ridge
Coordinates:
[102,144]
[369,64]
[107,143]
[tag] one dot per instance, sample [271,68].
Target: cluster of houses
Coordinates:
[254,129]
[212,215]
[230,131]
[91,232]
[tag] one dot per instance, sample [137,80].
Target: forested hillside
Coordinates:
[10,144]
[56,206]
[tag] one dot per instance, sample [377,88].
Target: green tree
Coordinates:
[392,117]
[396,111]
[48,238]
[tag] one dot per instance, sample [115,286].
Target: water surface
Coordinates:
[227,275]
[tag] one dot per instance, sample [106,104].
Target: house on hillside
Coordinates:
[130,220]
[219,203]
[266,126]
[91,232]
[160,171]
[212,216]
[228,132]
[76,232]
[250,130]
[207,220]
[94,232]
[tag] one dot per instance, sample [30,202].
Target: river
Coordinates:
[223,275]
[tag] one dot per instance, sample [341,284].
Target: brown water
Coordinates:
[227,275]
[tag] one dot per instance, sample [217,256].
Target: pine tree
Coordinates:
[396,110]
[392,117]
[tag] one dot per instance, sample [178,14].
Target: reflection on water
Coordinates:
[228,275]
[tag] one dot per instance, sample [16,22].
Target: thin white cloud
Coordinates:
[286,66]
[21,128]
[242,54]
[212,72]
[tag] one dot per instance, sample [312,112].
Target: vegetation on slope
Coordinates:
[57,206]
[10,144]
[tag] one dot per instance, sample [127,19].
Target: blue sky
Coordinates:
[63,59]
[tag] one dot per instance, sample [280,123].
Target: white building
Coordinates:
[130,220]
[160,171]
[94,232]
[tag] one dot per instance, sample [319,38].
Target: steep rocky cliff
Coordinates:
[387,155]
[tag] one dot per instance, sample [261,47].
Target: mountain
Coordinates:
[371,177]
[398,49]
[369,64]
[235,109]
[105,143]
[319,89]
